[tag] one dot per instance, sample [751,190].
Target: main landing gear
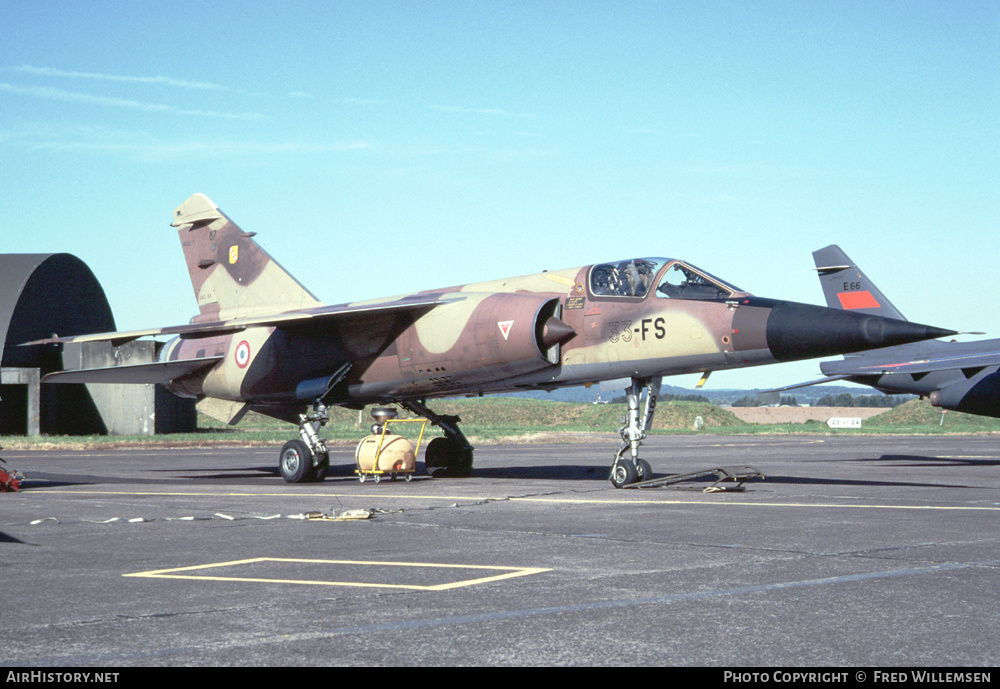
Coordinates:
[450,456]
[306,460]
[629,468]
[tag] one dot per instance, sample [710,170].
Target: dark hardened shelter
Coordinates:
[42,294]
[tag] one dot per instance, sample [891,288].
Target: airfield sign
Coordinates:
[843,422]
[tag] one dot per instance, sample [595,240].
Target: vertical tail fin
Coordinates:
[232,276]
[845,286]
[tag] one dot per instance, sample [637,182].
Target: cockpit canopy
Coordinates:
[632,278]
[635,278]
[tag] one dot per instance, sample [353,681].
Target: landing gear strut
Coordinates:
[629,469]
[450,456]
[306,460]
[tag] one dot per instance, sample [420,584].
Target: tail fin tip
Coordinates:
[232,275]
[197,208]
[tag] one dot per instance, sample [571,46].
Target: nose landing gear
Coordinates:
[629,469]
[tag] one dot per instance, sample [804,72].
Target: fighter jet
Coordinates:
[961,376]
[261,341]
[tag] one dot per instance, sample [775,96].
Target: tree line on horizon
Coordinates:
[843,399]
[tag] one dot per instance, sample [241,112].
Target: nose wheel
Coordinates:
[624,472]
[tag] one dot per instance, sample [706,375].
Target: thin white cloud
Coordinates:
[112,102]
[139,146]
[158,80]
[361,101]
[481,111]
[643,131]
[236,148]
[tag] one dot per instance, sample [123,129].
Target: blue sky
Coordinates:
[383,147]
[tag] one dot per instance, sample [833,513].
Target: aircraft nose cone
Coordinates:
[803,331]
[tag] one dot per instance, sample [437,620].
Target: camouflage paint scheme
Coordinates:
[262,341]
[478,338]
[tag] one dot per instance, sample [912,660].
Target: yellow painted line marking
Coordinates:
[296,495]
[508,573]
[965,456]
[758,504]
[708,502]
[804,441]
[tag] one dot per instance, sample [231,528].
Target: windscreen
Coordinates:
[682,281]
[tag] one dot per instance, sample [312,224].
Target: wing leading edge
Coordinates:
[965,360]
[312,318]
[156,372]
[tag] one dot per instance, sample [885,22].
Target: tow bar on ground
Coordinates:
[738,475]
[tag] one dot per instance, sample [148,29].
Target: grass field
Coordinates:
[491,420]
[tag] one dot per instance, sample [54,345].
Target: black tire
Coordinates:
[437,452]
[645,472]
[295,462]
[448,458]
[319,472]
[623,473]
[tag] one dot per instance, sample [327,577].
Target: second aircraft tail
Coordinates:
[845,286]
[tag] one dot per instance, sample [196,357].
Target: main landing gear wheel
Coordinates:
[296,463]
[319,471]
[308,459]
[446,458]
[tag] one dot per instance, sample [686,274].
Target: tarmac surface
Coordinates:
[854,552]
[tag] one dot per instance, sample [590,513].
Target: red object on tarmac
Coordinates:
[10,479]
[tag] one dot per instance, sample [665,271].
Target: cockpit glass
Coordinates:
[681,281]
[631,278]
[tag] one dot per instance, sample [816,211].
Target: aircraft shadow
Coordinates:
[560,472]
[922,461]
[213,474]
[37,480]
[809,481]
[341,472]
[7,538]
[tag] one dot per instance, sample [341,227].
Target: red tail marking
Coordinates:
[858,300]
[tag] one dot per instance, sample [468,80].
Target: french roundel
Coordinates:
[243,354]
